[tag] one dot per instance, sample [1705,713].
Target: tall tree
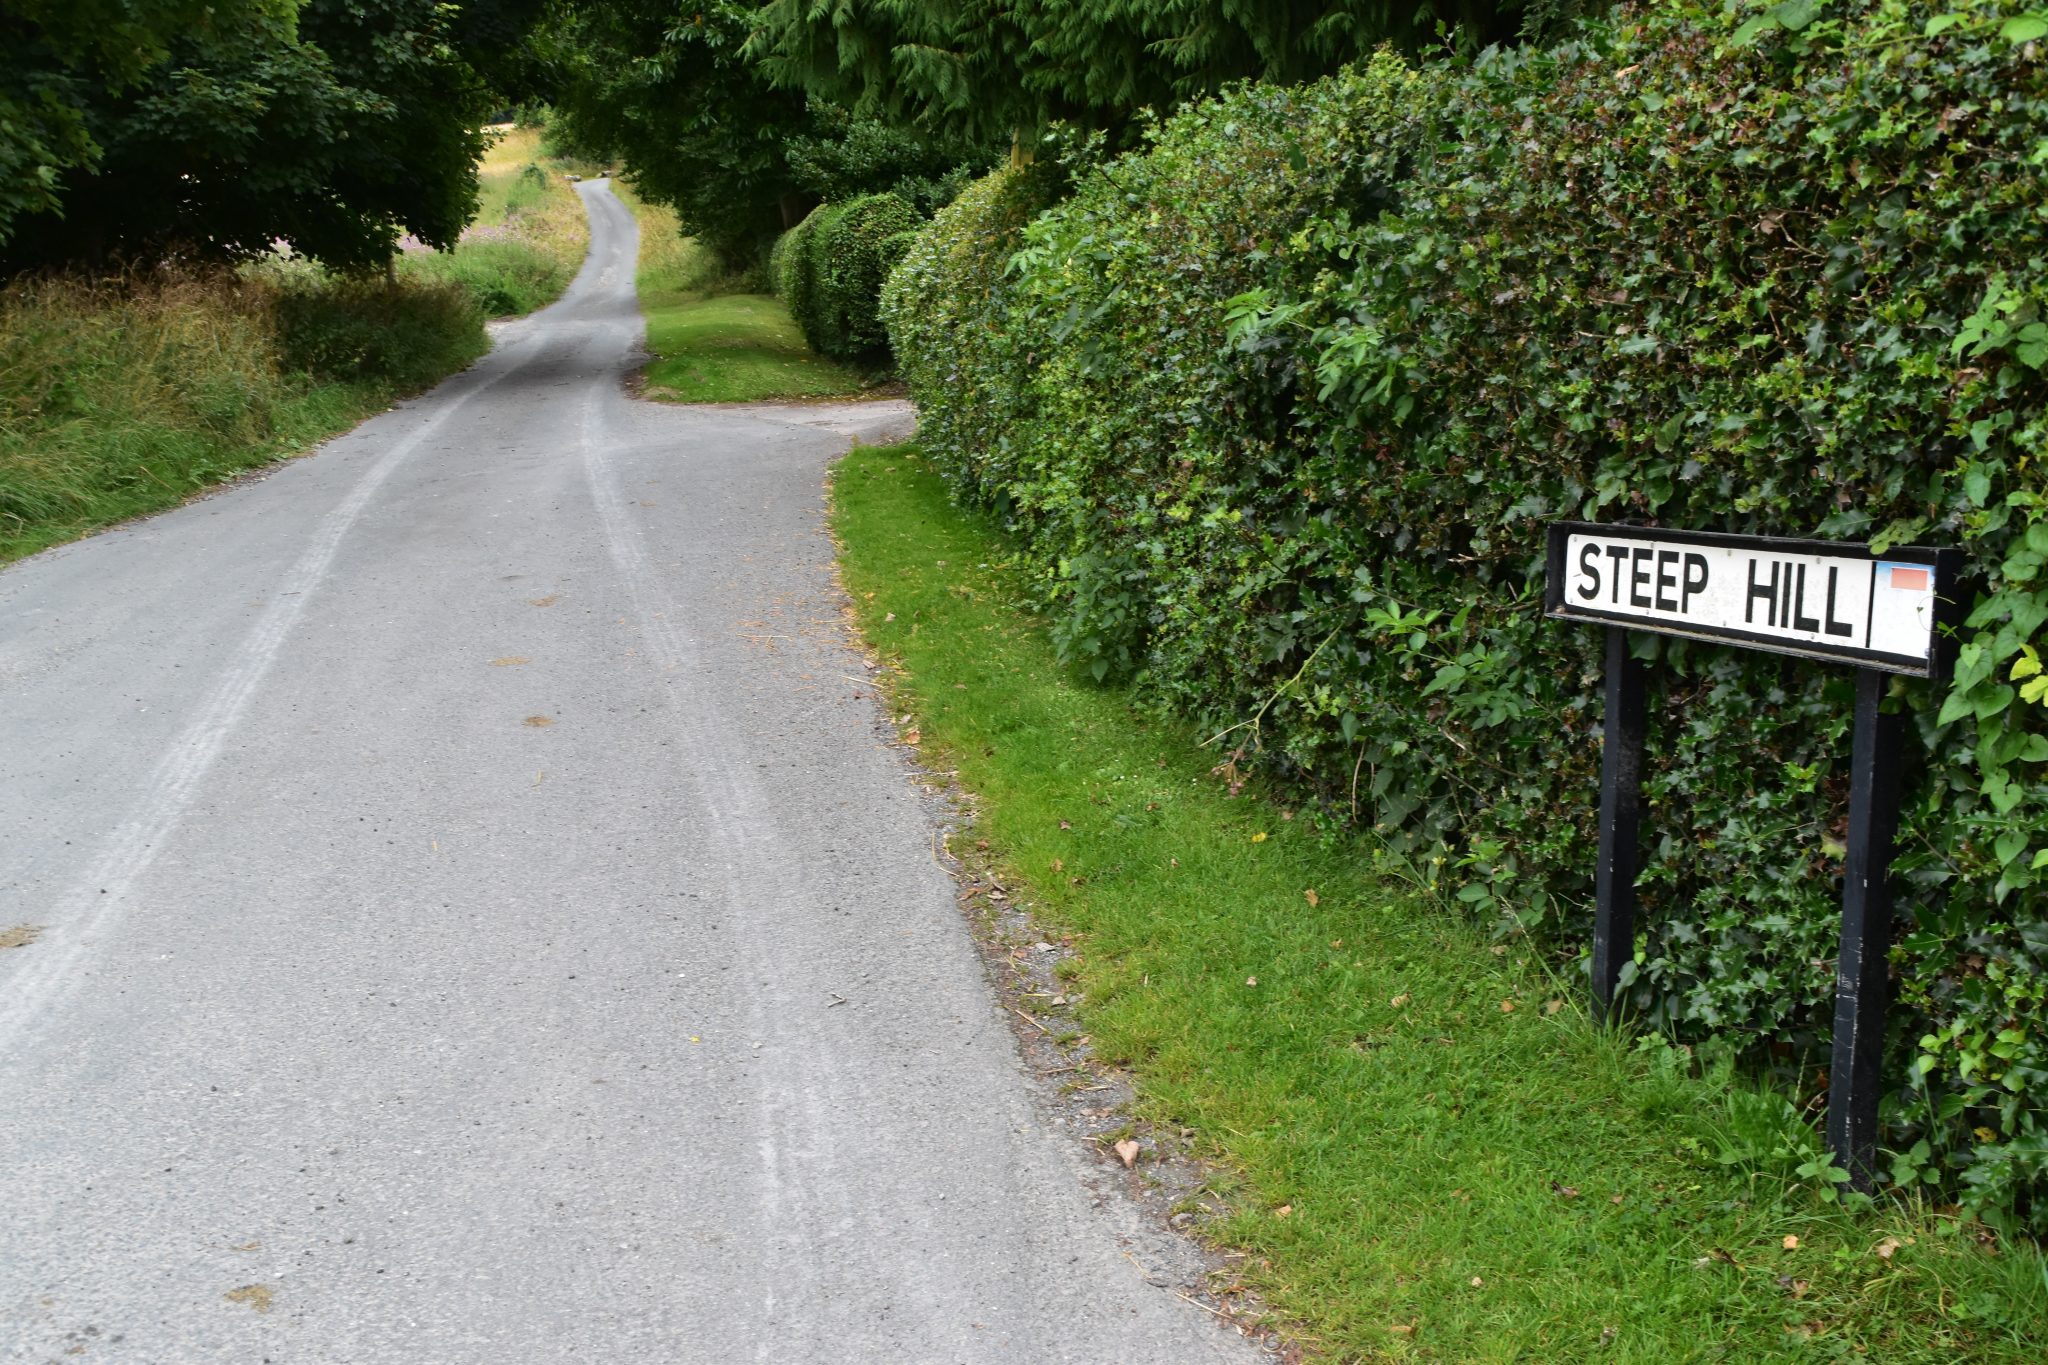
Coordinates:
[663,88]
[61,58]
[333,125]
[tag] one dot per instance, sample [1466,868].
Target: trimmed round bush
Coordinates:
[853,261]
[829,271]
[792,269]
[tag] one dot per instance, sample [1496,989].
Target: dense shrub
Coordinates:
[347,330]
[829,271]
[1282,403]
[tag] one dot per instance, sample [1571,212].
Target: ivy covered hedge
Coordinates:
[1281,403]
[829,270]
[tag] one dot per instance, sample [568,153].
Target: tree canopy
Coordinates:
[672,93]
[990,69]
[60,57]
[215,130]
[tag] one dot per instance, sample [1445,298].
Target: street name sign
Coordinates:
[1886,614]
[1814,598]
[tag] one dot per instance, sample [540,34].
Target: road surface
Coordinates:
[445,860]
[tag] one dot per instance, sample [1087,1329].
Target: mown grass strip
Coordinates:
[715,344]
[1433,1153]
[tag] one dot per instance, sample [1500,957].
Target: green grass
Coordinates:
[1474,1170]
[735,348]
[714,343]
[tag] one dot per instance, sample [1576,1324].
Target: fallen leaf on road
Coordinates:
[1127,1152]
[253,1296]
[547,601]
[510,660]
[538,721]
[20,936]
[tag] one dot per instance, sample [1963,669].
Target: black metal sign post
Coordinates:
[1855,1075]
[1621,809]
[1890,614]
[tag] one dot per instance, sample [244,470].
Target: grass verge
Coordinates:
[120,398]
[123,398]
[1432,1153]
[713,343]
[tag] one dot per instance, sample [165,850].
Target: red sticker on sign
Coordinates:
[1908,578]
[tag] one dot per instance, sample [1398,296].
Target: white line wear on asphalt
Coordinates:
[372,1021]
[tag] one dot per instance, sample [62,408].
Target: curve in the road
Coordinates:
[480,922]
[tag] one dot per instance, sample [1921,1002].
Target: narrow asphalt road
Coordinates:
[449,855]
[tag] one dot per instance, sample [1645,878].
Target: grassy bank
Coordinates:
[122,398]
[119,398]
[1431,1152]
[529,236]
[715,340]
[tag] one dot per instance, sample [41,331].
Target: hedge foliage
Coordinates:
[1281,403]
[829,270]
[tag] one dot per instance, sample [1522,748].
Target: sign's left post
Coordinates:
[1621,810]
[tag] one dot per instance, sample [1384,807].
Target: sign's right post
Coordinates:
[1855,1074]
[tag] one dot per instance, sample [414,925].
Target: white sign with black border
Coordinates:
[1814,598]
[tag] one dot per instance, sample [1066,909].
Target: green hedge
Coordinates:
[1282,402]
[792,268]
[948,306]
[829,271]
